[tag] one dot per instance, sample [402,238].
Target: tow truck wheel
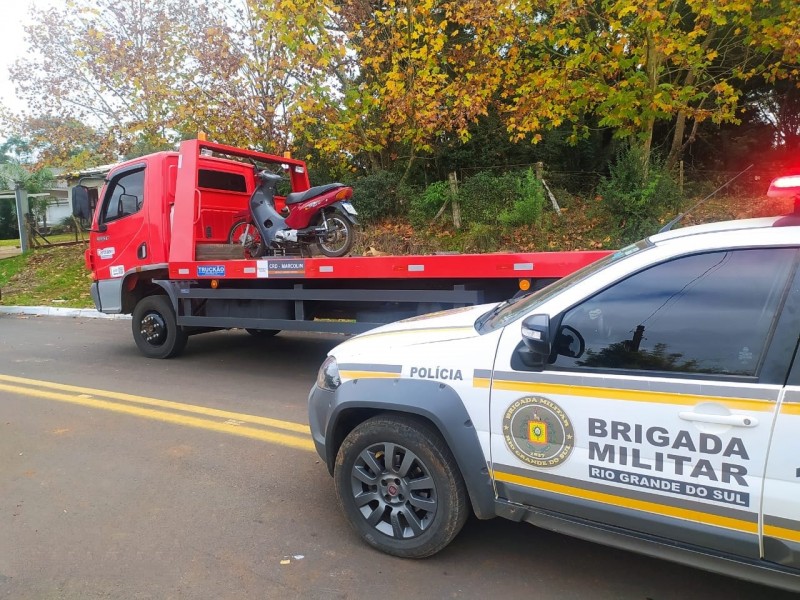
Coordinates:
[399,486]
[155,328]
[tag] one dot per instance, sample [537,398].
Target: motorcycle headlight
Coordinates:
[328,376]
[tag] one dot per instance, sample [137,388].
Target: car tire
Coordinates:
[412,506]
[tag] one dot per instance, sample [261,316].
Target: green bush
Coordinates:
[481,237]
[378,196]
[512,199]
[636,196]
[484,196]
[528,204]
[426,204]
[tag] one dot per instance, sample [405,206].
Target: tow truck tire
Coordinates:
[412,507]
[155,328]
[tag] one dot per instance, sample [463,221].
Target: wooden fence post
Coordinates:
[21,197]
[540,177]
[456,205]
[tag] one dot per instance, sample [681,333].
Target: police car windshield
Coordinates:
[512,309]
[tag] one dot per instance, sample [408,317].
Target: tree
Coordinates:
[54,141]
[251,66]
[779,107]
[113,65]
[634,64]
[418,74]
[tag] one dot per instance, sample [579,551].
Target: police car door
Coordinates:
[655,411]
[781,513]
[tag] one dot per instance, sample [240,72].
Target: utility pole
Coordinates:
[21,196]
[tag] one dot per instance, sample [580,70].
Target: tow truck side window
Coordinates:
[124,196]
[688,315]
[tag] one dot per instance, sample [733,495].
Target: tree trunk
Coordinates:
[676,149]
[678,144]
[652,77]
[410,164]
[374,162]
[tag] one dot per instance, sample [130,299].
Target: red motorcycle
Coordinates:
[320,216]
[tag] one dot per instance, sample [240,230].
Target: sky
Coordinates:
[12,42]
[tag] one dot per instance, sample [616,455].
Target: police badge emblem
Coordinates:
[538,431]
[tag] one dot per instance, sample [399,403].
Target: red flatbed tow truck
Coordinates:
[159,249]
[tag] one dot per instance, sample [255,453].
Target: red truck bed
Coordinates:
[540,265]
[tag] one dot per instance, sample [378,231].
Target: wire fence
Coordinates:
[692,181]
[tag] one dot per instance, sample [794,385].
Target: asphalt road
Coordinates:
[123,477]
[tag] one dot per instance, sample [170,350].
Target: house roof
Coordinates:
[98,171]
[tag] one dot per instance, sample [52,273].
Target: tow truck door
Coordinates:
[120,237]
[655,410]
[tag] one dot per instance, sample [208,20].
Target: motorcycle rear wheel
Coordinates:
[340,236]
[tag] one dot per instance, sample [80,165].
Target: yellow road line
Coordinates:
[233,428]
[200,410]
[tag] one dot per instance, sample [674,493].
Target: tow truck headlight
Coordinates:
[328,376]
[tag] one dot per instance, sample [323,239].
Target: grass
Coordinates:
[46,277]
[53,239]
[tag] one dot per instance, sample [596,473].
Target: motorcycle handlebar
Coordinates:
[270,176]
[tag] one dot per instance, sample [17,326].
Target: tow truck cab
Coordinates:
[137,220]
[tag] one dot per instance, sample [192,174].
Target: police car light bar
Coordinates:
[784,186]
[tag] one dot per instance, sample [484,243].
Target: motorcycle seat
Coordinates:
[311,193]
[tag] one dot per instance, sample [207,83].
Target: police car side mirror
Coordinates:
[536,334]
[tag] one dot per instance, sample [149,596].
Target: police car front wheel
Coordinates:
[399,486]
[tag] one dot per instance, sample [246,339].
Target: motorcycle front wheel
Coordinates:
[339,237]
[244,233]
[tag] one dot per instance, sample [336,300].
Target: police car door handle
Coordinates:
[733,420]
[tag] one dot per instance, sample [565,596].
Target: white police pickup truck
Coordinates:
[650,401]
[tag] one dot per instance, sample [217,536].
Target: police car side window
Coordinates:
[709,313]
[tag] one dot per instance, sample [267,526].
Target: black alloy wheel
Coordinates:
[399,486]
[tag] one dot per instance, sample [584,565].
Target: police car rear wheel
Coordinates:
[399,486]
